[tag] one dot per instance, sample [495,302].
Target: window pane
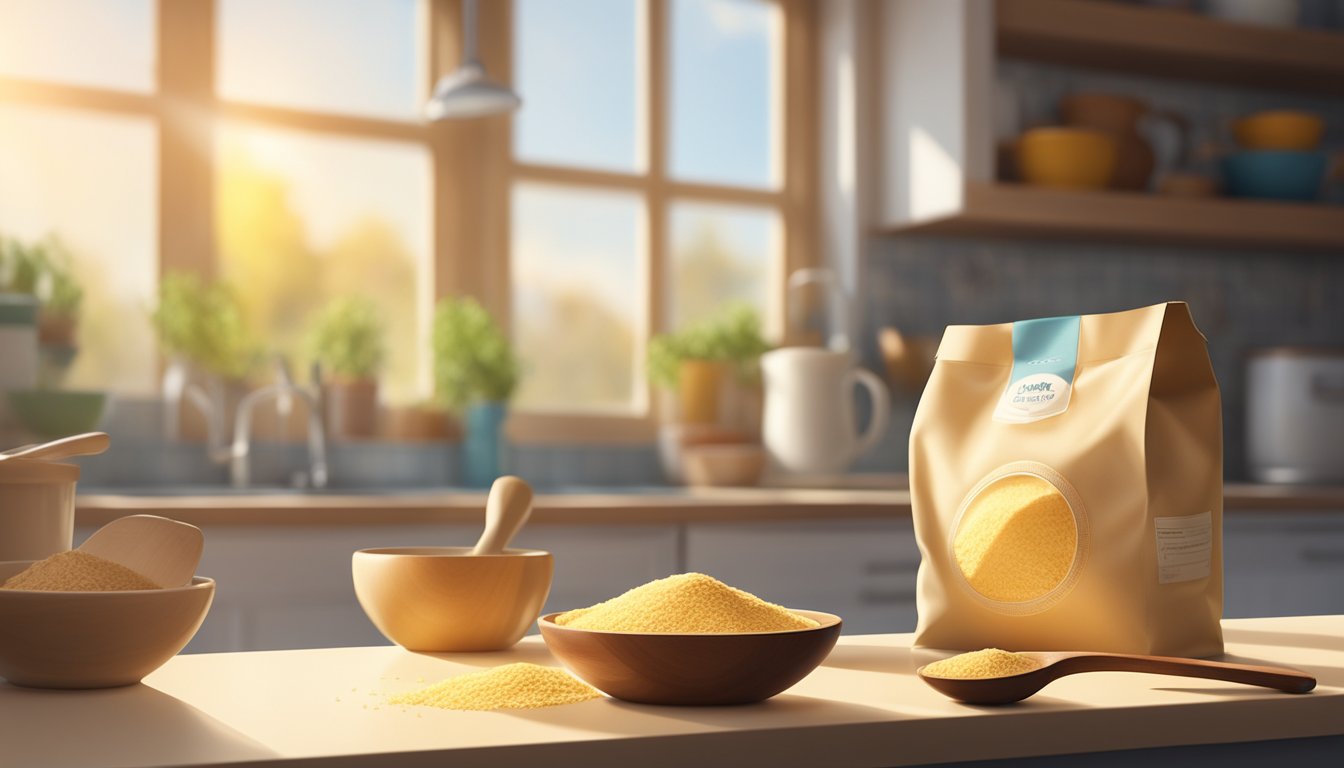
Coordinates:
[722,255]
[724,76]
[79,42]
[348,56]
[91,180]
[575,67]
[302,219]
[578,297]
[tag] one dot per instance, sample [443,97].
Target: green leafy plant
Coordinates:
[43,269]
[348,338]
[203,322]
[473,359]
[733,337]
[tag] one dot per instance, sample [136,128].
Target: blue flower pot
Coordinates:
[483,446]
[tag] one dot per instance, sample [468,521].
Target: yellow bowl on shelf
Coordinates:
[1279,129]
[1069,158]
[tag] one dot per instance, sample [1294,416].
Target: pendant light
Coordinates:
[467,92]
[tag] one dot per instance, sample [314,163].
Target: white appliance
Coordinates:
[1295,415]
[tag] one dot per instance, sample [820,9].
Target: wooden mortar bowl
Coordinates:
[94,639]
[692,669]
[444,599]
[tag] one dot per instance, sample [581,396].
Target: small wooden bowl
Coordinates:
[94,639]
[692,669]
[444,599]
[724,465]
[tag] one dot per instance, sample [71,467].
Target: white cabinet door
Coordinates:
[1283,564]
[863,571]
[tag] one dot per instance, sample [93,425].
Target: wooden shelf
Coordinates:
[1167,43]
[1022,211]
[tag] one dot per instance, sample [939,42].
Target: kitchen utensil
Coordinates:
[507,509]
[809,410]
[1071,158]
[1295,415]
[1122,117]
[94,639]
[37,508]
[692,669]
[86,444]
[724,465]
[1269,13]
[164,551]
[1274,174]
[1057,664]
[444,599]
[56,412]
[1279,129]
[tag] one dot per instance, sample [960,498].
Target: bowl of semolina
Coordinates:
[690,640]
[76,620]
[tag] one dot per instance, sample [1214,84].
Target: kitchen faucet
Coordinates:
[283,391]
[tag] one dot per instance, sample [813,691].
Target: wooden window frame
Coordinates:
[472,164]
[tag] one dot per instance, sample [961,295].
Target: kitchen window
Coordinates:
[659,171]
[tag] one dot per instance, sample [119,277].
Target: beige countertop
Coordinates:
[864,497]
[862,707]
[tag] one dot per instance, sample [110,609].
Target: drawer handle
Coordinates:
[887,567]
[1323,555]
[886,596]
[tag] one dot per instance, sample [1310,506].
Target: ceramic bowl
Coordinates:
[724,465]
[56,412]
[444,599]
[1071,158]
[94,639]
[1279,129]
[692,669]
[1274,174]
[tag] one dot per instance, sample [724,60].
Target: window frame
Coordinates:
[473,166]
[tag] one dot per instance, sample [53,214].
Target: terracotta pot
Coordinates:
[56,330]
[419,423]
[352,408]
[699,384]
[1119,116]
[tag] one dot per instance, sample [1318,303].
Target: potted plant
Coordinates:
[44,270]
[475,373]
[348,340]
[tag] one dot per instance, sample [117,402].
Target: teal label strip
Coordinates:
[1045,358]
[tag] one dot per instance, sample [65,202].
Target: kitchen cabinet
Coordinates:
[863,571]
[1283,564]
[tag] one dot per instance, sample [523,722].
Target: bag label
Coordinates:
[1045,357]
[1184,547]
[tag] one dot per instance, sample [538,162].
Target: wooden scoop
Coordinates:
[87,444]
[506,510]
[164,551]
[1054,665]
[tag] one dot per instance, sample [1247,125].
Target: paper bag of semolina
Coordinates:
[1066,479]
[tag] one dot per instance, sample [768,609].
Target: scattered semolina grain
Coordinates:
[76,571]
[688,602]
[512,686]
[991,662]
[1017,539]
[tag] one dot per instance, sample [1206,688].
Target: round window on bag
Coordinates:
[1018,539]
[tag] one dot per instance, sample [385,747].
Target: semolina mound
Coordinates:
[1017,539]
[512,686]
[991,662]
[686,603]
[76,571]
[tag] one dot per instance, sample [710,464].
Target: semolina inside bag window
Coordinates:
[1066,481]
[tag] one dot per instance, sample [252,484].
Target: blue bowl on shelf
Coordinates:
[1275,174]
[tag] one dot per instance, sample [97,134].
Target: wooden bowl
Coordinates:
[692,669]
[94,639]
[1071,158]
[724,465]
[443,599]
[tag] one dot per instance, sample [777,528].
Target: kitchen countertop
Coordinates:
[862,707]
[863,497]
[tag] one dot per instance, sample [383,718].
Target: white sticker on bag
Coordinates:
[1184,547]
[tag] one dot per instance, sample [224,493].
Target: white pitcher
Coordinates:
[809,410]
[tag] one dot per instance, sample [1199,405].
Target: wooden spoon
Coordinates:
[1054,665]
[87,444]
[506,510]
[164,551]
